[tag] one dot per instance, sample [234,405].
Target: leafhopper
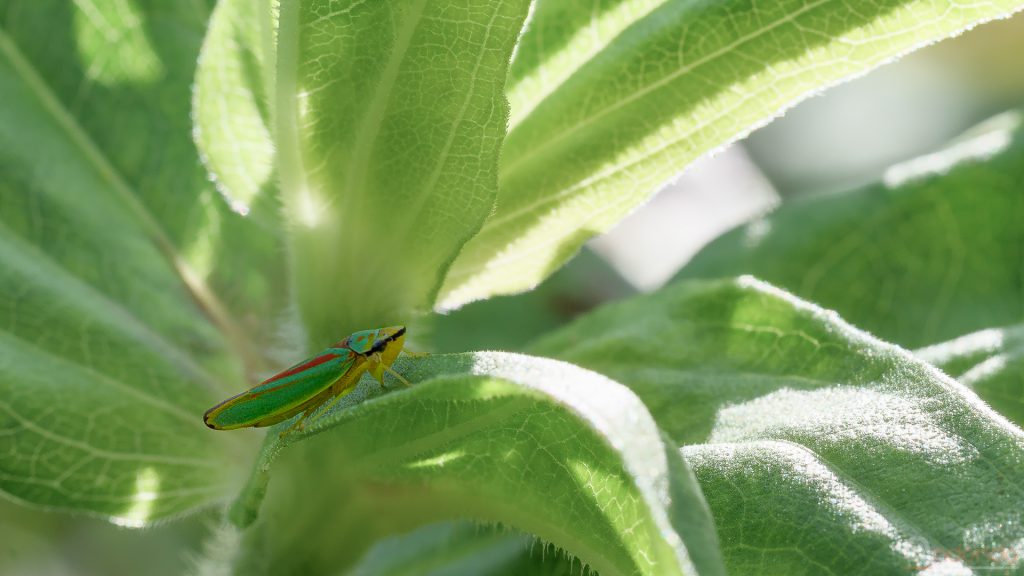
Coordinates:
[308,385]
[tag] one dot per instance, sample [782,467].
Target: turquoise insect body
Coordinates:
[306,386]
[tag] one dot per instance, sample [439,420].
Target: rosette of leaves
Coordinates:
[194,194]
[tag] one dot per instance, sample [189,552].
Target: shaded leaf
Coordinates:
[536,444]
[510,322]
[614,98]
[824,449]
[934,252]
[453,549]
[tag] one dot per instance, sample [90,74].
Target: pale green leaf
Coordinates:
[539,445]
[824,450]
[389,118]
[107,358]
[933,252]
[231,104]
[990,362]
[616,97]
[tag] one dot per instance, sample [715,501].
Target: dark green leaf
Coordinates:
[510,322]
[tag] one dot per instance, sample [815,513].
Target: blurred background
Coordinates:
[840,139]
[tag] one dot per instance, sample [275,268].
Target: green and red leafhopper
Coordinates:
[306,386]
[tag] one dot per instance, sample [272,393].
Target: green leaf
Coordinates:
[613,99]
[934,252]
[825,450]
[231,103]
[108,355]
[389,121]
[454,549]
[130,99]
[536,444]
[242,244]
[990,362]
[510,322]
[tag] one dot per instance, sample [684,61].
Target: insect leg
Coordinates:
[327,407]
[397,375]
[330,404]
[299,424]
[379,367]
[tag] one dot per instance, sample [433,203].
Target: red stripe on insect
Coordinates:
[304,366]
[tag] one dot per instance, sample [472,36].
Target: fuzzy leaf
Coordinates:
[823,449]
[990,362]
[536,444]
[613,98]
[106,360]
[390,116]
[934,252]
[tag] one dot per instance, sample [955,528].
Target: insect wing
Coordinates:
[282,395]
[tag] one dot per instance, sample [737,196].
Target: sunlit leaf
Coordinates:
[232,101]
[536,444]
[990,362]
[107,352]
[933,252]
[390,116]
[822,449]
[613,98]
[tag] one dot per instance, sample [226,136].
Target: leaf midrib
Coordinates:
[372,119]
[78,290]
[444,155]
